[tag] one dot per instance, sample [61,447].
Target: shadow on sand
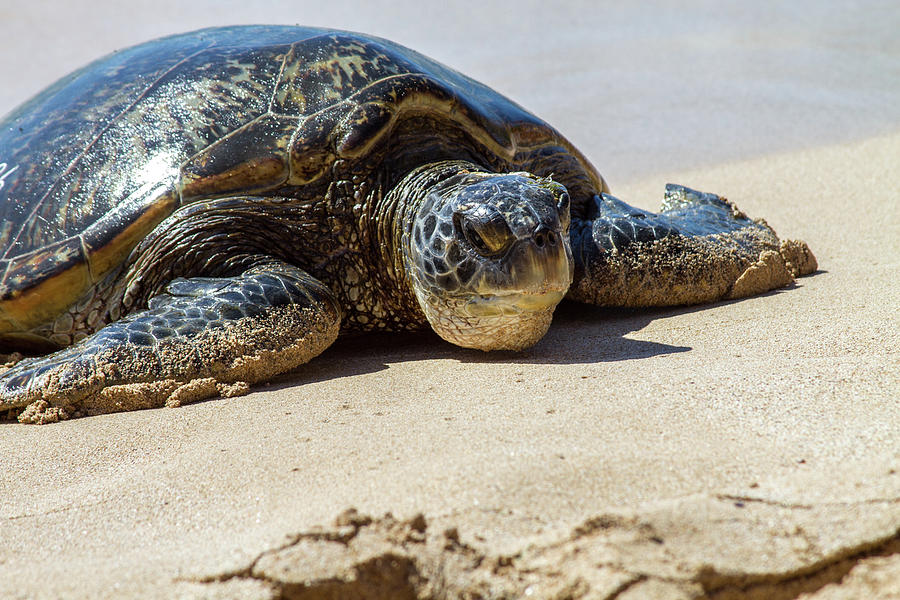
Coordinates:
[580,334]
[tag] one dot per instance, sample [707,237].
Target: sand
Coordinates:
[745,449]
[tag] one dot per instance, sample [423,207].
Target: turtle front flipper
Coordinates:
[201,338]
[699,248]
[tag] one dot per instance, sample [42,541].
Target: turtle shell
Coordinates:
[97,161]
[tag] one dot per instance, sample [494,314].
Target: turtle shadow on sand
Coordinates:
[580,334]
[598,336]
[583,334]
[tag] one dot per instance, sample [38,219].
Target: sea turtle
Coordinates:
[204,211]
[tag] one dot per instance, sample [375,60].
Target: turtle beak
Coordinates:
[542,263]
[540,273]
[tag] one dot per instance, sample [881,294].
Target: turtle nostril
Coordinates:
[542,236]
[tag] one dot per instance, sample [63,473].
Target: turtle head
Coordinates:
[488,257]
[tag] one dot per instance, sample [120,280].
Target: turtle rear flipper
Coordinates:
[203,337]
[699,248]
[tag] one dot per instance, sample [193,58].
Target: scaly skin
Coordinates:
[245,329]
[487,255]
[700,248]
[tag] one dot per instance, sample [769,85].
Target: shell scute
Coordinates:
[36,287]
[252,158]
[324,70]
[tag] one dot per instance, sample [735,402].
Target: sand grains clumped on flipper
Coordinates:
[696,269]
[239,363]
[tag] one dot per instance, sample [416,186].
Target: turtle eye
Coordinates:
[489,235]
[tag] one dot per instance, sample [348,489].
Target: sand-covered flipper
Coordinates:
[699,248]
[203,337]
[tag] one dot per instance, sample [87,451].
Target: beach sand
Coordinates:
[746,449]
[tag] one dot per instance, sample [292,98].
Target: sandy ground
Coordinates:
[742,450]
